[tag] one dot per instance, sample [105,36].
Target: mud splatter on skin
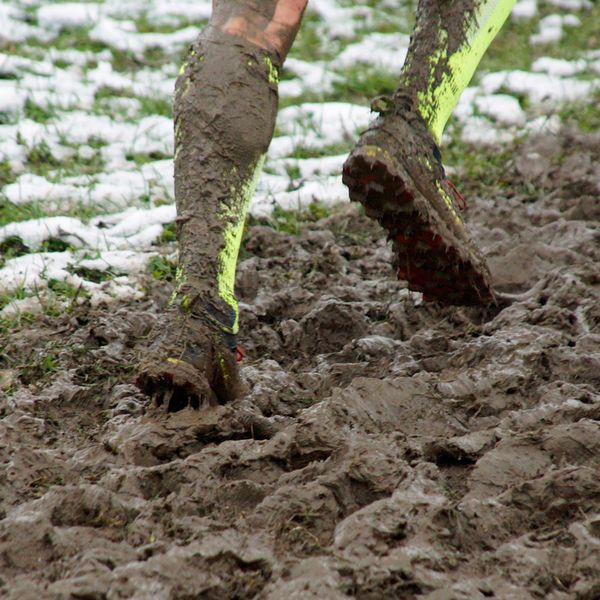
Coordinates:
[225,105]
[225,108]
[268,24]
[421,452]
[433,17]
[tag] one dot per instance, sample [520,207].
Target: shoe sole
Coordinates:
[424,256]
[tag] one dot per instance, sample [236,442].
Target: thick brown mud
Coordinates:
[441,29]
[432,17]
[224,106]
[386,448]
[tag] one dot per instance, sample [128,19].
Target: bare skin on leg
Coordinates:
[271,25]
[225,106]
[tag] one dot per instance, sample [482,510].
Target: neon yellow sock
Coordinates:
[457,54]
[235,217]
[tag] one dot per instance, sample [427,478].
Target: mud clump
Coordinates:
[386,449]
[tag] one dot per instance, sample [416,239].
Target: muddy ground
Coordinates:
[387,448]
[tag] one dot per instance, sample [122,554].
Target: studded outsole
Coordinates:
[423,256]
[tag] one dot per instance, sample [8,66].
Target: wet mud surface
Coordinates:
[386,448]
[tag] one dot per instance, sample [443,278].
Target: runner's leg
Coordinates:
[225,107]
[395,169]
[447,44]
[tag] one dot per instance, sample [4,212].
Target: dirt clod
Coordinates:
[386,448]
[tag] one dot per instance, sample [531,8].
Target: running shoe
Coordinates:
[395,172]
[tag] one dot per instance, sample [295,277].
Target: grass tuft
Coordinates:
[168,235]
[584,115]
[156,106]
[360,84]
[6,174]
[292,221]
[38,113]
[12,247]
[162,268]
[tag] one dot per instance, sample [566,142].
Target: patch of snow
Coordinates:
[316,125]
[327,122]
[310,77]
[133,229]
[539,87]
[171,12]
[26,271]
[134,220]
[502,108]
[464,109]
[329,191]
[113,191]
[56,17]
[15,27]
[524,9]
[31,305]
[78,58]
[11,98]
[481,131]
[123,36]
[33,271]
[338,21]
[551,28]
[270,184]
[12,66]
[118,261]
[572,4]
[312,167]
[378,50]
[30,188]
[559,67]
[33,233]
[544,124]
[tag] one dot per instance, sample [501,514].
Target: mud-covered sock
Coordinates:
[225,108]
[447,44]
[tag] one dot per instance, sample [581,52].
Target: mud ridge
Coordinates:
[387,448]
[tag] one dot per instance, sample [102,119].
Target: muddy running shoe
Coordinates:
[191,363]
[395,172]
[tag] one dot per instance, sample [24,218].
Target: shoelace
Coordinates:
[240,353]
[457,197]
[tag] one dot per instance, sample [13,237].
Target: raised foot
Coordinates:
[188,365]
[432,249]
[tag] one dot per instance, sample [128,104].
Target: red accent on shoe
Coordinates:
[447,271]
[458,198]
[368,179]
[240,353]
[431,239]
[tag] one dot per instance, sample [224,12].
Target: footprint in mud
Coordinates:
[463,465]
[330,325]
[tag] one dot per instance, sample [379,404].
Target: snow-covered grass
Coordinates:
[86,134]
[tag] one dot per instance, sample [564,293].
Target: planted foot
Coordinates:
[190,364]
